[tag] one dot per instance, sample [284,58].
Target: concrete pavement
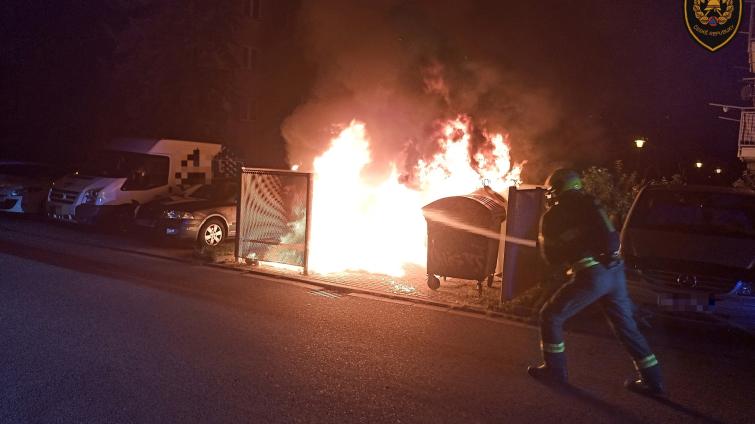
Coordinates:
[412,286]
[92,335]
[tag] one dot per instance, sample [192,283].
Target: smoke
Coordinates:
[401,67]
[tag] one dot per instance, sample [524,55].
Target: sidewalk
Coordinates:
[454,293]
[413,285]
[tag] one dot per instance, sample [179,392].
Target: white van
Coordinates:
[129,172]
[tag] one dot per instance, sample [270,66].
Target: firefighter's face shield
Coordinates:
[557,185]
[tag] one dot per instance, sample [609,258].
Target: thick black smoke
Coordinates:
[402,66]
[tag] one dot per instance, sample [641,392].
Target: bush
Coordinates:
[615,189]
[747,180]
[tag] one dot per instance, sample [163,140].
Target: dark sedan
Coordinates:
[207,216]
[691,250]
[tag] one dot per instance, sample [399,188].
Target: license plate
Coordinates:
[686,302]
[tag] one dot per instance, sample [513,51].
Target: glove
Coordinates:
[610,260]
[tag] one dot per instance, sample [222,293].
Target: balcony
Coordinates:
[746,151]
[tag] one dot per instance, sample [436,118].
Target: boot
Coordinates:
[553,369]
[650,382]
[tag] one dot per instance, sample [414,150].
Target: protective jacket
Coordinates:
[577,232]
[575,228]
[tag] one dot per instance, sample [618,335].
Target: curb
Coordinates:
[339,287]
[351,289]
[479,311]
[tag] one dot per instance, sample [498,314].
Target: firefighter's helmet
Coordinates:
[561,181]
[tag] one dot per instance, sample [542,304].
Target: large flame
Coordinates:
[380,228]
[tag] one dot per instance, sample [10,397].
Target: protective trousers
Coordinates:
[595,284]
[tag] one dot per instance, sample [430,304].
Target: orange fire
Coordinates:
[379,228]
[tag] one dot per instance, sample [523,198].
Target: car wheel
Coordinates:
[212,233]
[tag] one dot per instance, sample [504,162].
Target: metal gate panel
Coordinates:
[274,216]
[522,265]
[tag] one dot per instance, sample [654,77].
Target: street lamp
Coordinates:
[698,164]
[718,170]
[639,142]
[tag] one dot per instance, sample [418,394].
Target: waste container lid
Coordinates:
[495,207]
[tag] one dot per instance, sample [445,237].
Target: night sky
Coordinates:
[576,82]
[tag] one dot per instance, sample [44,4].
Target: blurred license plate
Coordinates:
[686,302]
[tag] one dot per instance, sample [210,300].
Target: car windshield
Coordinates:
[216,191]
[114,164]
[716,214]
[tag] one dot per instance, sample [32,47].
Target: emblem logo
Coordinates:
[684,280]
[713,23]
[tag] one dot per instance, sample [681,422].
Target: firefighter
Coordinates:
[575,232]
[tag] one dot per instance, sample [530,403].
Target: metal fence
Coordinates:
[274,216]
[522,265]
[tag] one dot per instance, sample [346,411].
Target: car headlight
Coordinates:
[178,215]
[745,288]
[18,192]
[90,196]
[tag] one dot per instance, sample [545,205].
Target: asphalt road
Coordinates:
[93,335]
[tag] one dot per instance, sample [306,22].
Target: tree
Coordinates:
[615,189]
[747,180]
[51,74]
[172,74]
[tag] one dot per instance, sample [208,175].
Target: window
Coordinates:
[715,214]
[252,8]
[220,191]
[250,57]
[146,172]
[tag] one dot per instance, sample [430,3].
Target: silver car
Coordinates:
[24,185]
[690,251]
[206,216]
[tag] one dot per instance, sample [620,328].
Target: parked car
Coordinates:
[691,250]
[207,216]
[24,185]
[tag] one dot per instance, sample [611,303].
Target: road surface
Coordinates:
[92,335]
